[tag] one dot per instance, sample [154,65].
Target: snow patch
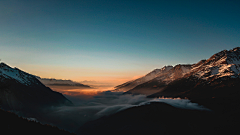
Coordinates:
[224,63]
[32,119]
[185,70]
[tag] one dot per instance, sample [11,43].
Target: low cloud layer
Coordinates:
[105,103]
[178,103]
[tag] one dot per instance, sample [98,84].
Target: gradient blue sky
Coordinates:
[113,40]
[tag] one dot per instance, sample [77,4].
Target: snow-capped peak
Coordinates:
[153,74]
[222,64]
[233,56]
[14,73]
[173,73]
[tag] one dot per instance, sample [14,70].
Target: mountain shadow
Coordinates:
[12,124]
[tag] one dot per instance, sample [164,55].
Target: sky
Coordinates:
[113,41]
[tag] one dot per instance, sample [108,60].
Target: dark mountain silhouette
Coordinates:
[160,119]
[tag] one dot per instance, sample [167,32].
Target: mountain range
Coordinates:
[205,79]
[213,83]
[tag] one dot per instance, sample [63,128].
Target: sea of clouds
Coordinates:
[106,103]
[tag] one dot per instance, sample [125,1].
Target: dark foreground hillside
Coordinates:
[162,119]
[11,124]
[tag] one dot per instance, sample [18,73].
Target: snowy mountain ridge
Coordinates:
[18,75]
[176,72]
[154,74]
[222,64]
[131,84]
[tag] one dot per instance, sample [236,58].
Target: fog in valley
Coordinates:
[91,104]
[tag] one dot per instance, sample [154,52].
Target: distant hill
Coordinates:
[59,82]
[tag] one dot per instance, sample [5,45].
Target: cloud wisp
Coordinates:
[178,103]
